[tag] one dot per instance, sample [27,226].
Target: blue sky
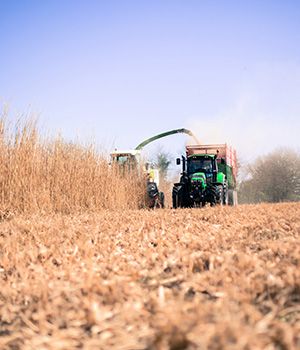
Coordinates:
[118,72]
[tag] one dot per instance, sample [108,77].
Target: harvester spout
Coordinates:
[164,134]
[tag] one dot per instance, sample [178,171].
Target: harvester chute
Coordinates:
[165,134]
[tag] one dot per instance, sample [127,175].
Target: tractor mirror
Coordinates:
[178,161]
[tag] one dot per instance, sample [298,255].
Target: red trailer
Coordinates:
[225,155]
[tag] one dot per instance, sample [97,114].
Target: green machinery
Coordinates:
[208,176]
[131,159]
[164,134]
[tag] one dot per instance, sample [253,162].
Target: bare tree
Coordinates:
[163,162]
[273,178]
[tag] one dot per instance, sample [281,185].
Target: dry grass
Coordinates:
[215,278]
[55,176]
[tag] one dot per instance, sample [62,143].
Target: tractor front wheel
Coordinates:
[175,198]
[211,194]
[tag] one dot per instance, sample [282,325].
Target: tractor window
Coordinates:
[199,164]
[122,159]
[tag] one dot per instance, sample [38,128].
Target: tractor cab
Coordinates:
[199,163]
[203,165]
[126,158]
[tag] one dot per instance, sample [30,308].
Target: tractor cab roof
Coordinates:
[131,152]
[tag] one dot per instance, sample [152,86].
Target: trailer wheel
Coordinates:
[220,195]
[225,194]
[225,197]
[232,197]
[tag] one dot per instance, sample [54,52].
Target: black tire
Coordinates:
[179,196]
[162,199]
[211,194]
[175,198]
[220,195]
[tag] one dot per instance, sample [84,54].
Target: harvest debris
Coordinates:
[187,279]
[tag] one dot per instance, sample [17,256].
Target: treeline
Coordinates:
[272,178]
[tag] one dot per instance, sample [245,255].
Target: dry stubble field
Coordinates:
[214,278]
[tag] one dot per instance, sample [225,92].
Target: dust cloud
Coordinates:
[264,115]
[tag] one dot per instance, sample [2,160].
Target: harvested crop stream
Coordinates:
[211,278]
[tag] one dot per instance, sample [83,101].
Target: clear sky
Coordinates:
[121,71]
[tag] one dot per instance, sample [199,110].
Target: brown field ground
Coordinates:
[211,278]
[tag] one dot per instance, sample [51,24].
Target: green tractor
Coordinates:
[208,176]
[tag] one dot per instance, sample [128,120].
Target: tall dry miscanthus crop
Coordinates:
[56,176]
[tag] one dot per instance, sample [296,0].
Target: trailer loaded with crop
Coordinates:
[208,176]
